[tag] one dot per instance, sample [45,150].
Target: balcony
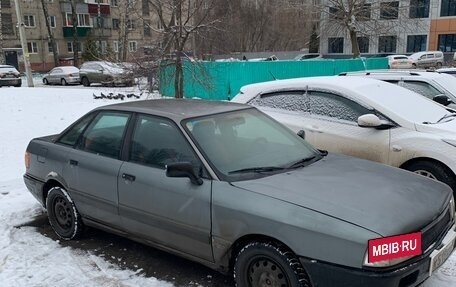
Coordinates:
[81,31]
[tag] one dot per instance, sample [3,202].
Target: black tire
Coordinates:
[85,82]
[63,82]
[435,170]
[63,215]
[260,264]
[45,81]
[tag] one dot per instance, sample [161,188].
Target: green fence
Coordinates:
[222,80]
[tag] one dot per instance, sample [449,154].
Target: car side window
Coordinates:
[421,88]
[290,101]
[157,142]
[335,106]
[72,135]
[105,133]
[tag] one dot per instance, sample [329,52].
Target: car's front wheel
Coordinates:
[63,215]
[45,81]
[261,264]
[435,171]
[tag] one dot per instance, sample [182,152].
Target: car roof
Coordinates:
[7,66]
[395,73]
[177,109]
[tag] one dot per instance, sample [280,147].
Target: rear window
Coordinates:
[8,69]
[400,58]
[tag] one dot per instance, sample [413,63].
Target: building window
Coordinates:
[416,43]
[5,4]
[447,42]
[115,24]
[70,47]
[145,8]
[132,46]
[7,24]
[363,44]
[389,10]
[115,46]
[29,20]
[336,45]
[387,44]
[448,8]
[364,13]
[83,20]
[131,24]
[51,21]
[419,9]
[32,47]
[50,47]
[336,13]
[104,47]
[114,3]
[147,30]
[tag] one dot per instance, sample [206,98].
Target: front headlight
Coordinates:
[384,263]
[450,142]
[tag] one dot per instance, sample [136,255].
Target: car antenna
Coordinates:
[272,75]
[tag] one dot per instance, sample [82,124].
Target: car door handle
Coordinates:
[73,162]
[128,177]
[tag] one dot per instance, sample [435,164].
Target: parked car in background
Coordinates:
[399,62]
[105,73]
[227,186]
[9,76]
[436,86]
[365,118]
[63,75]
[308,56]
[427,59]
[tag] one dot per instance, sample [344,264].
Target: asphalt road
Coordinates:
[128,254]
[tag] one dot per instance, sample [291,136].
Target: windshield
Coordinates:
[239,144]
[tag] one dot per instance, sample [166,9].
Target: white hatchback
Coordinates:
[399,62]
[365,118]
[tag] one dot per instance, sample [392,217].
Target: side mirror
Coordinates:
[442,99]
[369,121]
[183,169]
[302,134]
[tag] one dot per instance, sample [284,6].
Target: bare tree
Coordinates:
[74,19]
[365,18]
[50,34]
[179,20]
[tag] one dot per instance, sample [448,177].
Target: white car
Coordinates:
[399,62]
[365,118]
[427,59]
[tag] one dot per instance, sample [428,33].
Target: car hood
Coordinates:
[445,128]
[379,198]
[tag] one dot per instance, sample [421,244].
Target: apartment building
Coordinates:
[393,27]
[119,29]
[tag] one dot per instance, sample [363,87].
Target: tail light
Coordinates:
[27,159]
[2,75]
[70,75]
[394,62]
[17,75]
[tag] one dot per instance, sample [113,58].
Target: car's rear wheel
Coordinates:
[45,81]
[414,65]
[439,65]
[63,82]
[434,170]
[85,82]
[261,264]
[63,215]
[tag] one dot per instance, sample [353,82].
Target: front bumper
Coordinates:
[35,186]
[410,275]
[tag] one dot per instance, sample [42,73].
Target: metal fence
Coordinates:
[222,80]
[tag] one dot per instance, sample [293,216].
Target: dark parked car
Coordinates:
[105,73]
[227,186]
[9,76]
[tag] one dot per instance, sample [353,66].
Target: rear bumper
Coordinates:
[73,80]
[11,82]
[35,187]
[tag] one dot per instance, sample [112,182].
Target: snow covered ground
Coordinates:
[27,258]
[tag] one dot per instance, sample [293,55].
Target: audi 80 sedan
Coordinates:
[227,186]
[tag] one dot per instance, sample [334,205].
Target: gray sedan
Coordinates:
[63,75]
[227,186]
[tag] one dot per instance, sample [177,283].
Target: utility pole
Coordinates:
[2,55]
[25,54]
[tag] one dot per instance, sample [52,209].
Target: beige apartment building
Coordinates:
[121,30]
